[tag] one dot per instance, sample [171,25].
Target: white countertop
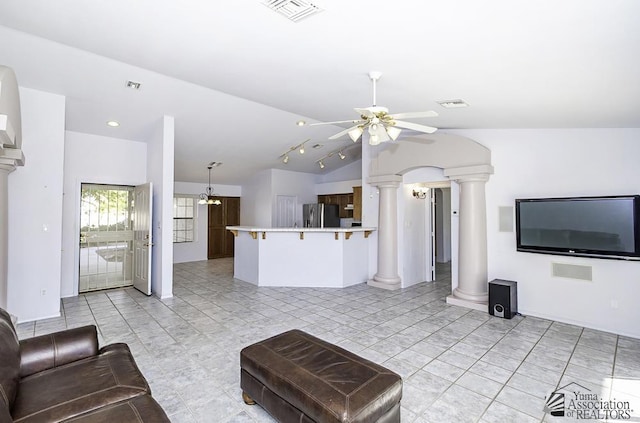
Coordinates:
[331,230]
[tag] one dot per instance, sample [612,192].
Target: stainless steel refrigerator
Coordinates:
[320,215]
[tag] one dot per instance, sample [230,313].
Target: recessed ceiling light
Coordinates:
[301,123]
[133,85]
[453,104]
[113,123]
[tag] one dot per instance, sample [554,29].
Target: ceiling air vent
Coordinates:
[453,104]
[134,85]
[294,10]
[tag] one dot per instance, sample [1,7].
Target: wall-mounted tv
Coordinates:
[601,227]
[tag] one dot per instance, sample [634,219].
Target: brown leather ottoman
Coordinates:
[297,377]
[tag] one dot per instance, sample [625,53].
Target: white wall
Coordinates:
[160,173]
[370,201]
[563,162]
[194,251]
[92,159]
[35,209]
[256,206]
[294,184]
[352,171]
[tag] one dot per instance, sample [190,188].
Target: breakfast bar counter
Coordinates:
[301,257]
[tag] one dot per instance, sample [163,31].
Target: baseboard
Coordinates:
[39,318]
[587,325]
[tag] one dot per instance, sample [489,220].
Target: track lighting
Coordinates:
[300,147]
[342,156]
[321,164]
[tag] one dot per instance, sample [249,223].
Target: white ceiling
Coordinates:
[237,76]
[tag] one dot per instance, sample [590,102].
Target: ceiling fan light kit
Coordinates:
[393,132]
[381,125]
[355,133]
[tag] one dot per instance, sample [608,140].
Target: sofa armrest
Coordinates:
[56,349]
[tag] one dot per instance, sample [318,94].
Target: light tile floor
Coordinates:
[458,365]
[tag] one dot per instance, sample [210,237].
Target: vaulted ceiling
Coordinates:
[237,76]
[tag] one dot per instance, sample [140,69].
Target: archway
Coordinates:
[463,161]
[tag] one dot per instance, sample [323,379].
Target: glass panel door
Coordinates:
[106,237]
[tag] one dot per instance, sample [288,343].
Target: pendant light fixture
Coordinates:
[205,197]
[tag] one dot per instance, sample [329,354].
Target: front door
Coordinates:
[106,237]
[142,237]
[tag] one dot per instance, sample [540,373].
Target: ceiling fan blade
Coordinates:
[342,133]
[411,115]
[416,127]
[333,123]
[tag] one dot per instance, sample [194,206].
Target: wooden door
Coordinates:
[221,242]
[233,219]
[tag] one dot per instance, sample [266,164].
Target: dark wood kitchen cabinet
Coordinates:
[220,240]
[342,200]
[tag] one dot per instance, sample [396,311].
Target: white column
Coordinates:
[4,232]
[387,275]
[10,158]
[472,240]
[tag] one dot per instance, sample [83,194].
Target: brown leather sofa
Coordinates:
[64,377]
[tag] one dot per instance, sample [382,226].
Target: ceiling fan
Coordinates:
[381,125]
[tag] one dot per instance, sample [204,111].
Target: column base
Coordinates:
[475,305]
[385,283]
[482,297]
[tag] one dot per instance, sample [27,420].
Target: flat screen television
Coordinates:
[601,227]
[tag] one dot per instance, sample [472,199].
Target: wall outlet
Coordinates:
[43,292]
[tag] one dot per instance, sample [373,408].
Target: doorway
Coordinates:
[441,218]
[106,237]
[220,241]
[428,234]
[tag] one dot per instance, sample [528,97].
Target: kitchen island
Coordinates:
[301,257]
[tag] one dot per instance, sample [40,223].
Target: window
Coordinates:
[184,219]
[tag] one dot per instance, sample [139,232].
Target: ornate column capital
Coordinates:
[478,173]
[391,181]
[11,158]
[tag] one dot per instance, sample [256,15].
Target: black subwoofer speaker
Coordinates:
[503,298]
